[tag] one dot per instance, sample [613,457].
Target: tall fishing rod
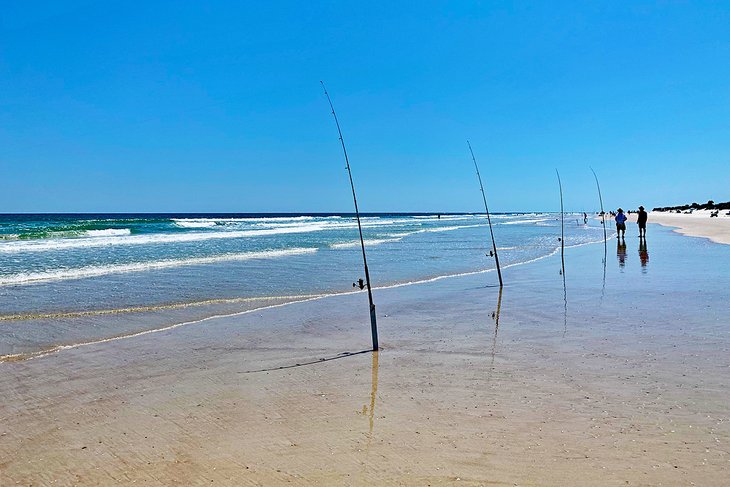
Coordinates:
[562,224]
[605,237]
[489,218]
[373,321]
[562,256]
[603,214]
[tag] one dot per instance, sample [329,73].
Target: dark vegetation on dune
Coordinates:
[710,205]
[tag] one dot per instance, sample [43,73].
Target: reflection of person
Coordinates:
[641,220]
[621,252]
[643,252]
[621,223]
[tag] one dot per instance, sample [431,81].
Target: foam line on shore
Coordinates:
[43,353]
[150,308]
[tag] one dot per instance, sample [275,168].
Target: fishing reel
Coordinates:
[360,283]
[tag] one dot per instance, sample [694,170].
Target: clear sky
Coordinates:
[216,106]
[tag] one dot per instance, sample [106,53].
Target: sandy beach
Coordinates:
[607,382]
[313,244]
[695,224]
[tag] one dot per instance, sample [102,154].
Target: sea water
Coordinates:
[66,279]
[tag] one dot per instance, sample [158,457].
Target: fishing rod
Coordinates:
[373,321]
[562,224]
[605,238]
[562,256]
[603,214]
[489,219]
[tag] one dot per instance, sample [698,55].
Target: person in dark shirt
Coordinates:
[641,220]
[620,223]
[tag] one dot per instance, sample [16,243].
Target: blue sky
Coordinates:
[216,106]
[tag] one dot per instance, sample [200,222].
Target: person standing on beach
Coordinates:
[641,220]
[621,223]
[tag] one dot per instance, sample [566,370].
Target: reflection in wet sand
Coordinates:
[370,410]
[605,259]
[621,252]
[565,297]
[643,254]
[373,394]
[495,316]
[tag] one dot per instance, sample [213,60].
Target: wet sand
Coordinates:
[696,224]
[615,380]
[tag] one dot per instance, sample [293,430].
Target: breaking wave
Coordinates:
[98,270]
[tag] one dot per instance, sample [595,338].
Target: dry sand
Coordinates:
[696,224]
[543,399]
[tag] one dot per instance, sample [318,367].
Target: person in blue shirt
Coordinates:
[621,223]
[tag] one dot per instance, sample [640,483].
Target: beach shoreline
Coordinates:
[472,386]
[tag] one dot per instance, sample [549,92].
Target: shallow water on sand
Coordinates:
[70,279]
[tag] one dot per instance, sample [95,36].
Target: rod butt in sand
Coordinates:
[373,318]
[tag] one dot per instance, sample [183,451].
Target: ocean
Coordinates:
[73,278]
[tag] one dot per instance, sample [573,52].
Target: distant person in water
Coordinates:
[621,223]
[641,220]
[585,218]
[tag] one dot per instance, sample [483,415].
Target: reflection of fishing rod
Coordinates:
[495,315]
[489,219]
[373,322]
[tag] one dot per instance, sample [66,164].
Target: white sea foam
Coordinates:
[449,229]
[108,232]
[113,237]
[253,221]
[190,223]
[96,270]
[146,239]
[524,222]
[435,230]
[368,242]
